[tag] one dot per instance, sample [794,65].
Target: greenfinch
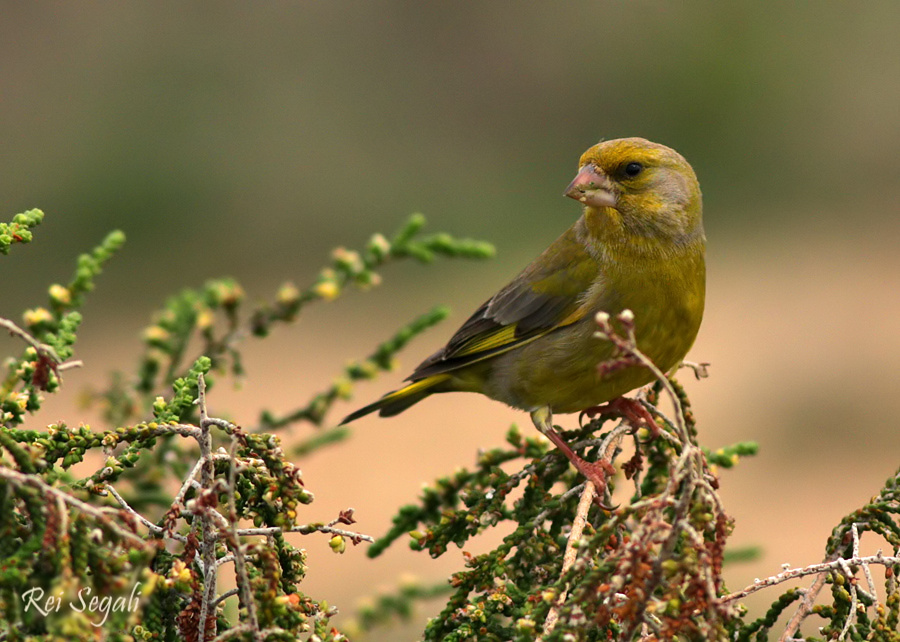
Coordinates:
[638,245]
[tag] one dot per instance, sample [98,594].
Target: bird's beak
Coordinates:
[592,188]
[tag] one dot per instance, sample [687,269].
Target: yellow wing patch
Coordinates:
[506,336]
[496,339]
[413,388]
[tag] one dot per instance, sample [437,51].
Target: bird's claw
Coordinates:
[597,472]
[631,410]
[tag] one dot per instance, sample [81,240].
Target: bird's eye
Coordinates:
[633,169]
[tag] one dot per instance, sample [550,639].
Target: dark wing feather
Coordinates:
[547,294]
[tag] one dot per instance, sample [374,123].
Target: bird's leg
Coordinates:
[595,472]
[631,410]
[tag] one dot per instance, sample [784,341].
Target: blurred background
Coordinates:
[248,139]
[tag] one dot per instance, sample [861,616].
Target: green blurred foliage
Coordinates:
[180,122]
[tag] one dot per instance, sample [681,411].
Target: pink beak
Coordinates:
[592,188]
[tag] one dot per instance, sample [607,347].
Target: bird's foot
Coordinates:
[631,410]
[596,472]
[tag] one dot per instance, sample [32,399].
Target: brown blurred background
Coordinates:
[247,139]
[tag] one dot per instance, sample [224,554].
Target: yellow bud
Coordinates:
[155,334]
[343,387]
[327,290]
[379,245]
[231,294]
[21,400]
[60,295]
[348,259]
[180,572]
[337,544]
[287,294]
[37,316]
[205,319]
[525,624]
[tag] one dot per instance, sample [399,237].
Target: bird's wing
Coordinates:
[550,293]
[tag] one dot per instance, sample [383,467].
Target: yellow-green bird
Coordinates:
[638,245]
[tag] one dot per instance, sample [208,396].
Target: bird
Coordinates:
[638,245]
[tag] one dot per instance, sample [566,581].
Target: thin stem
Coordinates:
[208,545]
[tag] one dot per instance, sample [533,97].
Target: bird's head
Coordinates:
[649,188]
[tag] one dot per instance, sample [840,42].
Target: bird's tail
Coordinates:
[396,402]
